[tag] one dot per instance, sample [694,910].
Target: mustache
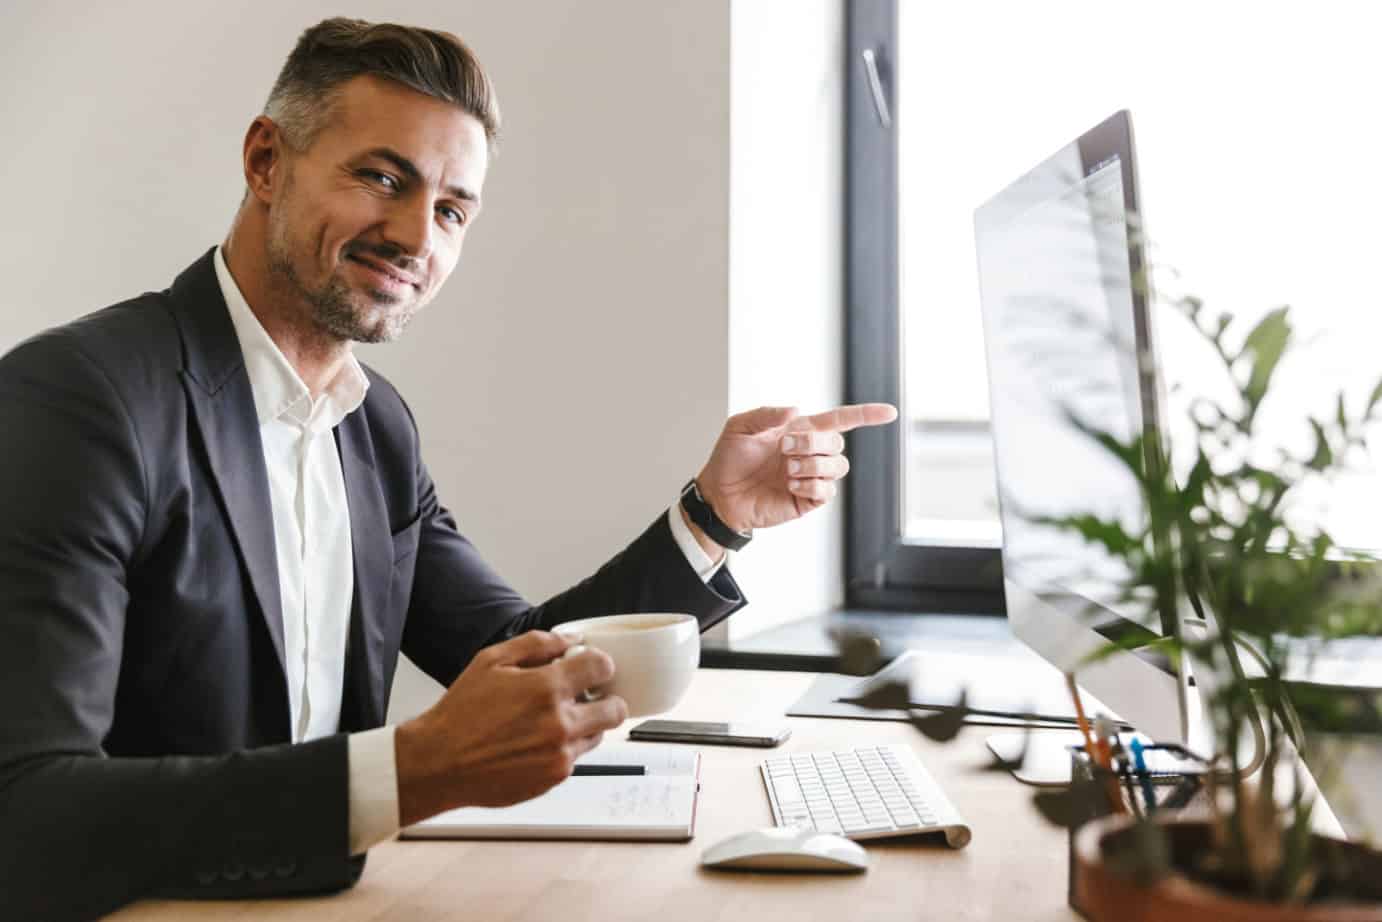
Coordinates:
[387,253]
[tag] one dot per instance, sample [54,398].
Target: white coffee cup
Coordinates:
[655,656]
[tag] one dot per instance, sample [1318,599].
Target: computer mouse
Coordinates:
[786,849]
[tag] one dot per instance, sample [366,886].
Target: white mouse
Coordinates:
[787,849]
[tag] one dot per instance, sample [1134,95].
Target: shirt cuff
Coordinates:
[695,554]
[373,782]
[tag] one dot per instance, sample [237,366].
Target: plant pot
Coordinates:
[1106,896]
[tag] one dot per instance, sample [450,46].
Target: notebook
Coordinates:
[659,805]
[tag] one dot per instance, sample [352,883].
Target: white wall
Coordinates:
[786,325]
[576,369]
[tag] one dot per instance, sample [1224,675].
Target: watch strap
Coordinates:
[700,512]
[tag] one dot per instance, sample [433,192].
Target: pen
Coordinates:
[608,770]
[1106,744]
[1140,763]
[1098,756]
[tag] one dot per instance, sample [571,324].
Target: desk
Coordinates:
[1015,868]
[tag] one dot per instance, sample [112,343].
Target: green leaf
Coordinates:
[1130,452]
[1192,494]
[1221,327]
[1373,398]
[1069,807]
[1323,456]
[1169,645]
[1107,534]
[1265,345]
[945,724]
[861,653]
[889,696]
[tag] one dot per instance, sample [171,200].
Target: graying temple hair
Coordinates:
[437,64]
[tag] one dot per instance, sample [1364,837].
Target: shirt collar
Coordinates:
[279,392]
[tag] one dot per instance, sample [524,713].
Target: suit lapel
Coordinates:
[230,432]
[373,550]
[218,390]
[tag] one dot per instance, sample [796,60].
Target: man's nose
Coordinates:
[409,226]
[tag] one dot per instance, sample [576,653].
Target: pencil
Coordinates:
[1098,755]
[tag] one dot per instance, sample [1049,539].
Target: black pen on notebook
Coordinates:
[608,770]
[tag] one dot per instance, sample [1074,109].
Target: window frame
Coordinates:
[883,570]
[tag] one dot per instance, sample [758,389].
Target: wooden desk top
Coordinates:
[1015,867]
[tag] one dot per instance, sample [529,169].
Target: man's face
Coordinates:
[367,223]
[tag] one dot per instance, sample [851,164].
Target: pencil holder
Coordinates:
[1083,809]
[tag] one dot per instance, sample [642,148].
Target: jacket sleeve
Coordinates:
[459,604]
[80,832]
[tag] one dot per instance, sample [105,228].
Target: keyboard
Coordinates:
[871,792]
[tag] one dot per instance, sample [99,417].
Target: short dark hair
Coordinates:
[437,64]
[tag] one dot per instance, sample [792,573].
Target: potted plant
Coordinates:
[1262,585]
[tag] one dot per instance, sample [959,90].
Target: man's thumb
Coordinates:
[765,418]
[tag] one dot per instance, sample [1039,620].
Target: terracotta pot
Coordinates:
[1108,897]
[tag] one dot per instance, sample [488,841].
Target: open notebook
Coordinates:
[658,805]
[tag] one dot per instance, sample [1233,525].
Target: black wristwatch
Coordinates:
[699,511]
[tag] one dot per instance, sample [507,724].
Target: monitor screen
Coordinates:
[1064,326]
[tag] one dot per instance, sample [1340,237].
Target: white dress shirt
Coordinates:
[311,518]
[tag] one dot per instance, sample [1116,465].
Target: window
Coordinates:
[1256,143]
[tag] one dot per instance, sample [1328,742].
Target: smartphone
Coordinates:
[726,734]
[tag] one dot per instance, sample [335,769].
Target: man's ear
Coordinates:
[263,158]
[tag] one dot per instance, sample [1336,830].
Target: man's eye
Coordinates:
[451,214]
[383,179]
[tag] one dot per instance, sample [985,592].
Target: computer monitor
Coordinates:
[1067,331]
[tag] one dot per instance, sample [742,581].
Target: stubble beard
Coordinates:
[331,307]
[333,311]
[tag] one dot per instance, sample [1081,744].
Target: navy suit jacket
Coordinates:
[144,721]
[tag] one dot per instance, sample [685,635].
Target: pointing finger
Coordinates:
[843,419]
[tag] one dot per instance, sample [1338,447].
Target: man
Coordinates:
[217,533]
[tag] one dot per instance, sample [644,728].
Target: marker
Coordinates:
[1140,763]
[597,770]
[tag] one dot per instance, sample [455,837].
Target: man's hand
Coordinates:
[771,466]
[507,729]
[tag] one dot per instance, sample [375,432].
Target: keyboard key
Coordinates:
[787,789]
